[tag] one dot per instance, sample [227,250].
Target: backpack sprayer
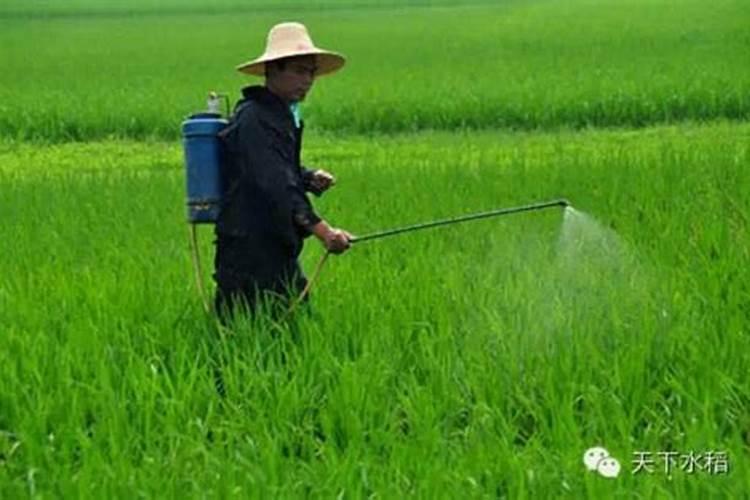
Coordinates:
[203,168]
[203,173]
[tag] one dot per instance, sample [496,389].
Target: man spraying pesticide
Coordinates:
[245,175]
[264,214]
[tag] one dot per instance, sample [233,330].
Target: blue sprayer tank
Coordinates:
[202,162]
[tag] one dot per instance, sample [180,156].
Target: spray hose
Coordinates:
[197,268]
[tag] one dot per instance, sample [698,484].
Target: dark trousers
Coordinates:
[249,273]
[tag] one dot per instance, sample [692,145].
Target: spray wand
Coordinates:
[464,218]
[427,225]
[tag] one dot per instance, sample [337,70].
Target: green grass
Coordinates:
[519,65]
[476,360]
[115,8]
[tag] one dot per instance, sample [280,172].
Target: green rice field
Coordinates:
[478,360]
[512,64]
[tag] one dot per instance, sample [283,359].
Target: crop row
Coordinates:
[513,65]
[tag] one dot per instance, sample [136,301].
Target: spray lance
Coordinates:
[427,225]
[202,148]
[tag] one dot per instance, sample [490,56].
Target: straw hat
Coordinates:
[288,40]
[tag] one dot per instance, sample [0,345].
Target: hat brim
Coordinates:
[327,62]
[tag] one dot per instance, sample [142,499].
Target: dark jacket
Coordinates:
[264,183]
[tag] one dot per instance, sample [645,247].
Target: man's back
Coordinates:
[264,193]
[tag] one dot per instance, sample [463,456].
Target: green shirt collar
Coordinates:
[296,113]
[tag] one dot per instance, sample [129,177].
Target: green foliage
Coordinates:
[137,71]
[97,8]
[475,360]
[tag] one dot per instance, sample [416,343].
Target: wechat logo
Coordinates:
[598,459]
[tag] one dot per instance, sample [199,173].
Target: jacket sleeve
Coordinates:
[274,173]
[307,178]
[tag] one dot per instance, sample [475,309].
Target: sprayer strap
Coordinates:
[223,136]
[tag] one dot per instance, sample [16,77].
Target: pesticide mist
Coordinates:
[561,280]
[596,279]
[585,243]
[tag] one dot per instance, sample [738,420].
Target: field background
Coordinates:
[526,65]
[479,360]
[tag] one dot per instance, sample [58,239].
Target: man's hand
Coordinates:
[334,240]
[322,180]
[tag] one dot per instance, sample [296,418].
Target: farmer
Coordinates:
[266,215]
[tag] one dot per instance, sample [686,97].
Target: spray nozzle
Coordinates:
[214,102]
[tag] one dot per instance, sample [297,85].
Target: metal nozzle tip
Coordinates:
[563,202]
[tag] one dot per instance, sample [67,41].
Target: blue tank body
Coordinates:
[202,166]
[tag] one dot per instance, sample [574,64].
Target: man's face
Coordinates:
[294,81]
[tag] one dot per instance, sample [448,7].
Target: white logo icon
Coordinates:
[598,459]
[608,467]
